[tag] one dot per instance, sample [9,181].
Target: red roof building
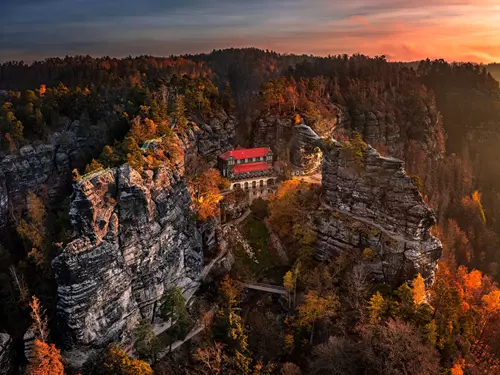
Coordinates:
[252,167]
[246,163]
[246,153]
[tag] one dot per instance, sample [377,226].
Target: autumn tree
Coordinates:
[396,348]
[418,290]
[315,307]
[205,193]
[45,359]
[117,362]
[40,323]
[133,153]
[32,230]
[376,307]
[94,165]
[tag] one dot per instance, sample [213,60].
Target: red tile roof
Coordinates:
[251,167]
[245,153]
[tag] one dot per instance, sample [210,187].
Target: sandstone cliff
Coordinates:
[50,164]
[5,348]
[374,206]
[47,164]
[134,238]
[370,204]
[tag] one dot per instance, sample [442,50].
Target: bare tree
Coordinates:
[338,356]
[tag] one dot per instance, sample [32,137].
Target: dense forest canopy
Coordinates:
[447,121]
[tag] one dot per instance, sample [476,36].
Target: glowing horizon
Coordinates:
[456,30]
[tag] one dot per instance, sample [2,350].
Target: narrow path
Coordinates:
[195,331]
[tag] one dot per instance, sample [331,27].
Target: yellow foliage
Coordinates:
[205,194]
[119,362]
[315,307]
[474,280]
[368,254]
[289,342]
[418,290]
[376,307]
[476,197]
[456,369]
[288,281]
[94,165]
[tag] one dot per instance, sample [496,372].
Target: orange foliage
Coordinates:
[118,362]
[46,360]
[457,370]
[474,280]
[491,302]
[40,323]
[205,194]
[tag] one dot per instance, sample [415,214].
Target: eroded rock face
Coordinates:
[5,348]
[4,200]
[133,239]
[385,129]
[48,165]
[370,203]
[213,138]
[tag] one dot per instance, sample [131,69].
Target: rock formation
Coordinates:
[47,165]
[134,238]
[374,206]
[371,204]
[387,129]
[5,348]
[50,164]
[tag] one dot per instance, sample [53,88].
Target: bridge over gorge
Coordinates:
[268,288]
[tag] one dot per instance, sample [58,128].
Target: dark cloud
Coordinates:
[39,28]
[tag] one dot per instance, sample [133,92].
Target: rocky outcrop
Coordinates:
[279,133]
[213,138]
[133,239]
[393,131]
[5,349]
[48,165]
[371,204]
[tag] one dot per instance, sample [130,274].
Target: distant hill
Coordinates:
[494,70]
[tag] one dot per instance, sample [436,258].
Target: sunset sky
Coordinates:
[401,29]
